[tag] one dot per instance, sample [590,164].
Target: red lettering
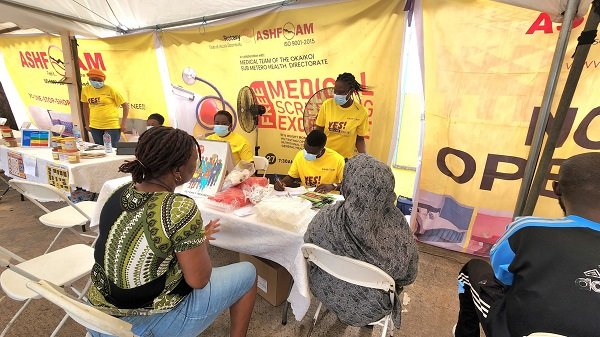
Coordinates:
[543,23]
[576,23]
[282,120]
[291,89]
[363,82]
[23,61]
[94,62]
[276,92]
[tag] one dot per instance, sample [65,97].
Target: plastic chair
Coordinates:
[4,181]
[63,267]
[57,129]
[64,218]
[261,163]
[86,315]
[352,271]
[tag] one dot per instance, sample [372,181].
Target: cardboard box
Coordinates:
[273,280]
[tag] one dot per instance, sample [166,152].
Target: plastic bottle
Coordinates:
[107,142]
[77,135]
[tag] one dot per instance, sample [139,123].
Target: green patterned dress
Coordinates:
[136,270]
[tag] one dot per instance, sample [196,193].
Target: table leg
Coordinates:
[286,306]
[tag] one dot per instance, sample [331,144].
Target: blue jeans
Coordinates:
[200,308]
[115,135]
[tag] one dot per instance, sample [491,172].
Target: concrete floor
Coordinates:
[430,304]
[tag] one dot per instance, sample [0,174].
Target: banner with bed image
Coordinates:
[36,67]
[281,59]
[486,66]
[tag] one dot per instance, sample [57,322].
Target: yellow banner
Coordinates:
[486,66]
[285,57]
[36,67]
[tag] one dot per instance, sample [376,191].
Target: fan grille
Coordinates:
[312,107]
[246,99]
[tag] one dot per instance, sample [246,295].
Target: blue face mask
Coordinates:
[221,130]
[96,84]
[309,156]
[340,99]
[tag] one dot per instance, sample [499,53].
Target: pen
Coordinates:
[277,180]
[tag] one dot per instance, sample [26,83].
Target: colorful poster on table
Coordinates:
[286,56]
[16,166]
[36,67]
[214,164]
[482,98]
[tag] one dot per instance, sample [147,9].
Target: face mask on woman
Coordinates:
[97,84]
[340,99]
[221,130]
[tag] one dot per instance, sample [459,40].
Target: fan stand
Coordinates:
[256,147]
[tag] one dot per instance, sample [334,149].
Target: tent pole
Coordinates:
[71,61]
[540,126]
[586,39]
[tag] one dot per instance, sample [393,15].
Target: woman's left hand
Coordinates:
[212,228]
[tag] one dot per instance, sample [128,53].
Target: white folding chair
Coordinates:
[352,271]
[5,182]
[3,121]
[57,129]
[64,218]
[86,315]
[261,163]
[63,267]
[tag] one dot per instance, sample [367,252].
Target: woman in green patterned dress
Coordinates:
[152,265]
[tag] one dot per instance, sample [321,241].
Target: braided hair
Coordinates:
[159,150]
[355,87]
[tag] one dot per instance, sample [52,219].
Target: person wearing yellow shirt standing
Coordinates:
[240,149]
[344,121]
[101,108]
[315,166]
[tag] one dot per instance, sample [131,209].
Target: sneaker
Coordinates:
[454,330]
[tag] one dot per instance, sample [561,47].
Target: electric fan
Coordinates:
[312,107]
[248,111]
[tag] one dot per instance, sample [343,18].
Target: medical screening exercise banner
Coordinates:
[486,66]
[35,64]
[285,56]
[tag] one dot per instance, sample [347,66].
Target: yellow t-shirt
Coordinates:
[327,169]
[239,146]
[104,106]
[342,125]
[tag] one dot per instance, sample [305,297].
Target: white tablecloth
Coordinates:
[89,174]
[248,235]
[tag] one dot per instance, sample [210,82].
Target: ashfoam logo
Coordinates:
[288,31]
[52,58]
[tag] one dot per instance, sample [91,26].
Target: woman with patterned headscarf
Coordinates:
[366,226]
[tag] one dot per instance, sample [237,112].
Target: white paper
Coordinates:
[262,284]
[244,211]
[30,164]
[292,191]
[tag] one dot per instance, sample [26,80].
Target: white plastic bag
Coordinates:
[288,213]
[242,171]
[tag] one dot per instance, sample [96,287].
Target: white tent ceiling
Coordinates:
[102,18]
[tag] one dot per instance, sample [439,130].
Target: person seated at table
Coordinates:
[240,149]
[544,273]
[366,226]
[152,266]
[315,166]
[155,120]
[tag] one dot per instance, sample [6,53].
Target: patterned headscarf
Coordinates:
[366,226]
